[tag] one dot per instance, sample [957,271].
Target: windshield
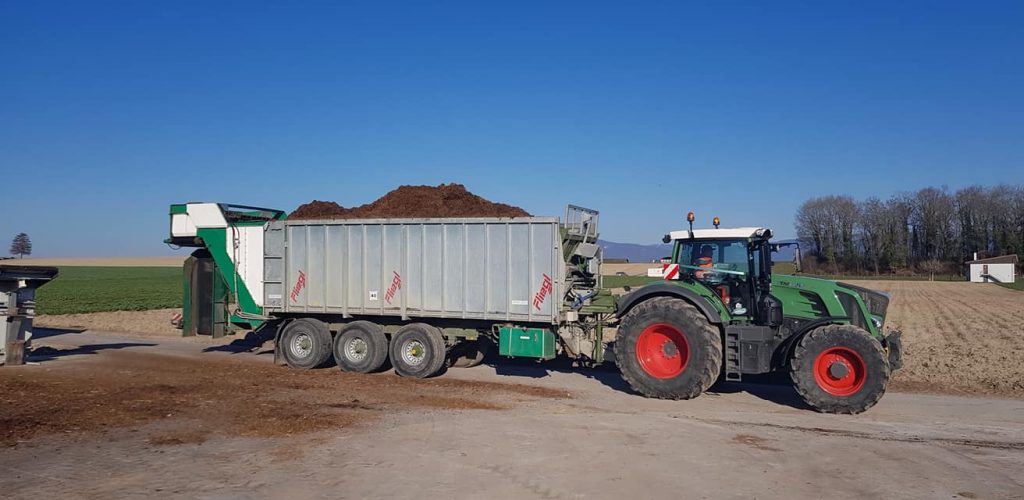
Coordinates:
[712,260]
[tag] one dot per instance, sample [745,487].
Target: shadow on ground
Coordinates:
[773,387]
[606,374]
[46,353]
[39,332]
[252,343]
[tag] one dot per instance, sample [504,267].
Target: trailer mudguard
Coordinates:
[666,289]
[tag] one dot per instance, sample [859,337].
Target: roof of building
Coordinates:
[738,232]
[1002,259]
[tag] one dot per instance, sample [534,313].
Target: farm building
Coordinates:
[1002,269]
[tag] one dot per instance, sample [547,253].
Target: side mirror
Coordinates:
[666,239]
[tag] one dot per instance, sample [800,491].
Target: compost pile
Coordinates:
[445,200]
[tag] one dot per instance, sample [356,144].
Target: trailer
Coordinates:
[420,294]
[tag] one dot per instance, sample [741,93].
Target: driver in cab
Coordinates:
[705,262]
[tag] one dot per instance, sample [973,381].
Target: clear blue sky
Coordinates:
[111,111]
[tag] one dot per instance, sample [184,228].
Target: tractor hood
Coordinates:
[876,302]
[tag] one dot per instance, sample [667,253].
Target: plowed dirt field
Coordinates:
[959,337]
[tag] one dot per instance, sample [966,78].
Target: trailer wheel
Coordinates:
[361,346]
[667,349]
[305,344]
[470,353]
[839,369]
[418,350]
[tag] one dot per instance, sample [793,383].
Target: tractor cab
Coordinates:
[734,264]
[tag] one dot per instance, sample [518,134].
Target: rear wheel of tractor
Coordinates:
[361,347]
[470,353]
[667,349]
[305,344]
[839,369]
[418,350]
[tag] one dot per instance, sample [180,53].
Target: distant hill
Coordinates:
[649,253]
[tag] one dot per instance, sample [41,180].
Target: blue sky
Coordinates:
[112,111]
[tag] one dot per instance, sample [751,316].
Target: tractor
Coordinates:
[720,313]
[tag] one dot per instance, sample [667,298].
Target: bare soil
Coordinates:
[156,322]
[220,396]
[959,337]
[445,200]
[631,269]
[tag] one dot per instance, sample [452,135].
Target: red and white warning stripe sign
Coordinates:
[176,320]
[670,271]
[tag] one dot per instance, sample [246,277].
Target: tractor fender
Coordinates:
[633,298]
[789,344]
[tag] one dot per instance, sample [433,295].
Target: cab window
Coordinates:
[729,255]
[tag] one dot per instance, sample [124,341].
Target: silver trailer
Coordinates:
[410,291]
[507,269]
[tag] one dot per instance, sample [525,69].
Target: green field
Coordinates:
[1016,285]
[96,289]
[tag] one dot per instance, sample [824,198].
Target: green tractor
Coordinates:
[720,314]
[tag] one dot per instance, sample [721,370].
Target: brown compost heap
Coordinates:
[445,200]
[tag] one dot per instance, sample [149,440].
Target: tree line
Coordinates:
[932,230]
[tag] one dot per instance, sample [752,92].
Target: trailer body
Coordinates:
[501,269]
[468,278]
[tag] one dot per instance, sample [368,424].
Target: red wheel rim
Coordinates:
[840,371]
[662,350]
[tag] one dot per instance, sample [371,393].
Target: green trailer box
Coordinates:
[526,342]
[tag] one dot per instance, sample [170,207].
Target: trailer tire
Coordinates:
[839,369]
[305,344]
[667,349]
[470,353]
[361,347]
[418,350]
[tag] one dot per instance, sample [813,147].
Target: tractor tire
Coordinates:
[667,349]
[469,353]
[305,344]
[839,369]
[361,347]
[418,350]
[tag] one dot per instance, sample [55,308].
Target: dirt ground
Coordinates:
[217,397]
[631,269]
[156,322]
[106,416]
[959,337]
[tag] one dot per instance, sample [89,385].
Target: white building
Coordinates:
[1002,269]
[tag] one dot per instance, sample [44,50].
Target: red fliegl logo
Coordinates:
[396,285]
[299,285]
[542,294]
